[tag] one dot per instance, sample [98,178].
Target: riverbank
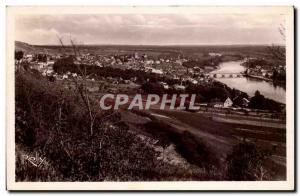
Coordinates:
[250,84]
[259,77]
[274,82]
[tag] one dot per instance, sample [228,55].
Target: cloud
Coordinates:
[151,29]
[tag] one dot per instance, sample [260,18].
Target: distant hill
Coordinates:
[27,48]
[192,51]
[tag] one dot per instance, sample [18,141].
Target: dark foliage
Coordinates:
[153,87]
[279,75]
[258,101]
[246,163]
[252,63]
[40,57]
[210,92]
[208,61]
[19,55]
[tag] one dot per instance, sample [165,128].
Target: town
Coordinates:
[91,87]
[131,73]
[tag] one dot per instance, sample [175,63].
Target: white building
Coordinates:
[214,54]
[29,57]
[156,71]
[179,87]
[49,63]
[228,103]
[193,81]
[165,85]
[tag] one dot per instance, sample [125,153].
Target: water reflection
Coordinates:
[250,85]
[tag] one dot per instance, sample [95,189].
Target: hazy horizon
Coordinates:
[162,45]
[151,29]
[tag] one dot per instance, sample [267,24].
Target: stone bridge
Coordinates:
[226,75]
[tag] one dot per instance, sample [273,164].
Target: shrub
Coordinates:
[246,163]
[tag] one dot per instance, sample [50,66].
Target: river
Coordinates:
[249,85]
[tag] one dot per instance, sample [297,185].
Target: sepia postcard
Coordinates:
[150,98]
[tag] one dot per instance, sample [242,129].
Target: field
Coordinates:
[217,137]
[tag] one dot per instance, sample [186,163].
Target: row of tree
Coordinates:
[37,57]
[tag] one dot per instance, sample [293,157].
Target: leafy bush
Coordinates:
[246,163]
[258,101]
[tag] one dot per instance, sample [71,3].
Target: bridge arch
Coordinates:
[226,75]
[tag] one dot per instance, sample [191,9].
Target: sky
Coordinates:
[149,29]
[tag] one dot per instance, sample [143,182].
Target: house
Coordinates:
[50,63]
[193,81]
[179,87]
[149,62]
[165,85]
[136,55]
[263,72]
[178,61]
[97,63]
[49,72]
[156,71]
[227,103]
[93,89]
[213,54]
[245,102]
[29,57]
[217,105]
[41,65]
[240,101]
